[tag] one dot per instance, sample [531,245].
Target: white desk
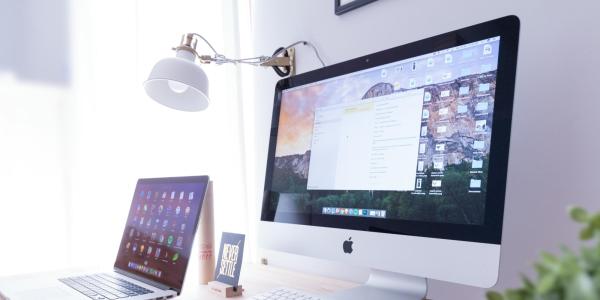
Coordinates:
[255,280]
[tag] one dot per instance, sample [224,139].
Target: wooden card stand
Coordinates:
[225,290]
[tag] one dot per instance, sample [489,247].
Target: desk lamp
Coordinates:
[179,83]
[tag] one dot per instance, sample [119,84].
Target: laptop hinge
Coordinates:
[147,281]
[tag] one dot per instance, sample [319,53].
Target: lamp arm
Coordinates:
[188,43]
[222,59]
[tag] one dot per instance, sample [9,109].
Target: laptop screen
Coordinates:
[161,227]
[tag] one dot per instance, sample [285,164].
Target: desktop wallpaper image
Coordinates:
[462,103]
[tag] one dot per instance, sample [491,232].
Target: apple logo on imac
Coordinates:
[347,246]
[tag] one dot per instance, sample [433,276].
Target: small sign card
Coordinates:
[229,264]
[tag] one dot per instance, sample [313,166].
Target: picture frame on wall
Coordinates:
[344,6]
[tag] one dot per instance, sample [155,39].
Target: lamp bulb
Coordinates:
[177,87]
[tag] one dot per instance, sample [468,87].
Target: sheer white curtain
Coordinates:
[33,89]
[32,165]
[109,133]
[118,134]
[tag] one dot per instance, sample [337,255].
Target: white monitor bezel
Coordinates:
[465,260]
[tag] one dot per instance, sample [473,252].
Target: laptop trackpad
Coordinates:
[53,293]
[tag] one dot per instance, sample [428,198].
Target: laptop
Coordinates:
[152,258]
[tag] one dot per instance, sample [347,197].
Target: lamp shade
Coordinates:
[179,83]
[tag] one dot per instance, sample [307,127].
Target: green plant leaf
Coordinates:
[587,233]
[492,295]
[578,214]
[546,283]
[527,283]
[517,294]
[549,258]
[595,221]
[542,269]
[570,275]
[590,259]
[582,288]
[570,265]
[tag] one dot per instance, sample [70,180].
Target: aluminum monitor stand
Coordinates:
[383,285]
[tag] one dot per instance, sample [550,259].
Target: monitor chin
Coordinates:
[468,263]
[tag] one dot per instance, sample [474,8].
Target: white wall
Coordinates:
[553,158]
[35,40]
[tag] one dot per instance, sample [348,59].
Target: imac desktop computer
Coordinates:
[397,161]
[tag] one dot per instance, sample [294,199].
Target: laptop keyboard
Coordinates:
[104,286]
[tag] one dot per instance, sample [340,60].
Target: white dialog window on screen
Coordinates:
[369,144]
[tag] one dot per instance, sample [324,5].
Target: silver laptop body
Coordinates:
[157,241]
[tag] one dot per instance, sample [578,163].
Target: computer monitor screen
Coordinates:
[402,141]
[160,228]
